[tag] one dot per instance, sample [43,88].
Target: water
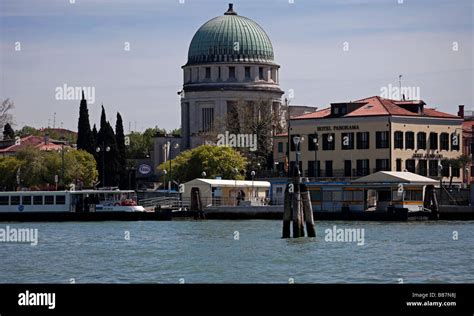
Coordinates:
[207,252]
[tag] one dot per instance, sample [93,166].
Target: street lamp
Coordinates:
[253,176]
[164,178]
[236,173]
[102,148]
[315,141]
[297,140]
[440,171]
[203,174]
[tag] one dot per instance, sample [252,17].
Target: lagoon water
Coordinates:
[238,252]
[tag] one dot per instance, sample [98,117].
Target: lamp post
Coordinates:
[297,140]
[130,170]
[61,182]
[440,171]
[102,148]
[315,141]
[253,176]
[164,178]
[236,173]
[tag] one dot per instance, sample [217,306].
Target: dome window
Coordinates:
[247,73]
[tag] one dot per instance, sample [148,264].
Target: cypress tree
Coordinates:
[120,139]
[8,132]
[84,134]
[106,139]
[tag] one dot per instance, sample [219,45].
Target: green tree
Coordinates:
[9,167]
[33,168]
[8,132]
[458,163]
[141,144]
[122,161]
[85,139]
[214,160]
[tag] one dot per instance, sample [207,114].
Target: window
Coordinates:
[280,147]
[208,72]
[421,140]
[410,165]
[409,140]
[15,200]
[315,195]
[218,72]
[384,196]
[444,141]
[49,199]
[311,142]
[231,72]
[399,164]
[328,141]
[260,73]
[382,165]
[455,172]
[3,200]
[347,168]
[247,73]
[455,141]
[398,140]
[328,169]
[362,167]
[61,199]
[433,168]
[207,119]
[413,195]
[381,140]
[433,141]
[347,141]
[26,200]
[445,171]
[422,167]
[38,200]
[363,140]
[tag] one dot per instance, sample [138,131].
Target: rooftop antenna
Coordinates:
[400,86]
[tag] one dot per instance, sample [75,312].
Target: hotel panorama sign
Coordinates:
[337,128]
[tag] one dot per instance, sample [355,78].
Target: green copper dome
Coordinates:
[230,38]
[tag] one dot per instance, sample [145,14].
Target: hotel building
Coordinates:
[354,139]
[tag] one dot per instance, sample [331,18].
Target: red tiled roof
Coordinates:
[33,141]
[376,106]
[318,114]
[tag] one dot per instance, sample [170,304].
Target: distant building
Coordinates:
[375,134]
[468,140]
[44,143]
[230,64]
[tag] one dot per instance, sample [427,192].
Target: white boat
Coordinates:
[84,201]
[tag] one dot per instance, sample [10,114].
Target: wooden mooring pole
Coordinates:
[297,208]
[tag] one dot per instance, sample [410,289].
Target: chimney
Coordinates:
[461,111]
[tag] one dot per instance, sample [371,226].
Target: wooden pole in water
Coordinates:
[308,211]
[297,212]
[287,212]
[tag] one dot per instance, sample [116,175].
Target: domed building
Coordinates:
[230,61]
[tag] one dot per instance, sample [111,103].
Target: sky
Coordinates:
[328,50]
